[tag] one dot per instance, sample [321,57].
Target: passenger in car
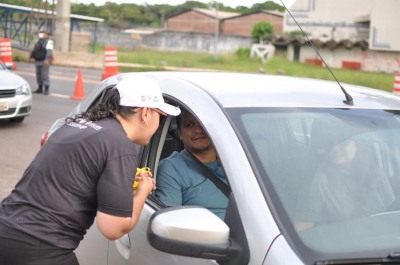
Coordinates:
[85,170]
[346,185]
[181,181]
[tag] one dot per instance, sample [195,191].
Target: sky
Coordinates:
[231,3]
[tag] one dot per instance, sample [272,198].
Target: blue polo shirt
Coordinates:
[181,181]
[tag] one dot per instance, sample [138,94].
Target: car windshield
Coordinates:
[332,175]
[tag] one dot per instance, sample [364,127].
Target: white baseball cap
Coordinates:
[141,91]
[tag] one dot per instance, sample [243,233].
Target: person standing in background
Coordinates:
[42,55]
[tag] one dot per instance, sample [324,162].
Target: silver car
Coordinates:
[314,171]
[15,96]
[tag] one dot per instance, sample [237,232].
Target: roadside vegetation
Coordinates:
[240,62]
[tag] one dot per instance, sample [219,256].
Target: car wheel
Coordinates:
[18,119]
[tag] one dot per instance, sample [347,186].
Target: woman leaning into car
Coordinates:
[84,171]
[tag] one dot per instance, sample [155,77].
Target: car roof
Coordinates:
[231,90]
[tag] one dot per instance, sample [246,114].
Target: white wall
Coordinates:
[337,19]
[373,61]
[377,61]
[385,25]
[332,18]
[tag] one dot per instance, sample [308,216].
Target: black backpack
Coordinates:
[39,51]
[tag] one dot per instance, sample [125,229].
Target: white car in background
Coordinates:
[15,96]
[273,138]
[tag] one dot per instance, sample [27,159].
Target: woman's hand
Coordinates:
[147,183]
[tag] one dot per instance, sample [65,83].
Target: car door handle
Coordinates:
[123,245]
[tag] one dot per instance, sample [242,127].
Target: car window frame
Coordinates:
[156,147]
[150,155]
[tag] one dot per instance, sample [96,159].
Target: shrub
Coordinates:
[261,30]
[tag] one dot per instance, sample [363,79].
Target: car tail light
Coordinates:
[44,138]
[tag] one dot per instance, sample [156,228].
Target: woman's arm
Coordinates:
[113,227]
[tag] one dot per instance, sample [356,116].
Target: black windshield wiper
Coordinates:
[393,258]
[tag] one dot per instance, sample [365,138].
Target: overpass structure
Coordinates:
[21,25]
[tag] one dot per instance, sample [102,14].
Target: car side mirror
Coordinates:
[191,231]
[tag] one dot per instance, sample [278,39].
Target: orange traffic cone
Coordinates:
[110,62]
[79,92]
[5,53]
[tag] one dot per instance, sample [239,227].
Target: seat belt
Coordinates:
[157,201]
[222,186]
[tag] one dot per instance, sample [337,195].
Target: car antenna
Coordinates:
[349,99]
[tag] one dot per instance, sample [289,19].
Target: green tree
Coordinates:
[261,30]
[268,5]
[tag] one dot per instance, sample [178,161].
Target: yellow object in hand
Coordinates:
[138,170]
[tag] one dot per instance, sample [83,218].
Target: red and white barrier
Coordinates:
[110,62]
[396,84]
[6,53]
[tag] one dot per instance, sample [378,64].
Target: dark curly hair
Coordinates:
[108,108]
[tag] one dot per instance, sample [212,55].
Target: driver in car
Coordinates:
[180,180]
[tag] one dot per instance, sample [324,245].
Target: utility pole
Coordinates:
[63,26]
[216,26]
[162,19]
[214,5]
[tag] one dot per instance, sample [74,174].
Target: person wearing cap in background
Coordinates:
[42,55]
[84,171]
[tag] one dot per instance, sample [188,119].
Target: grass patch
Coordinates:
[240,62]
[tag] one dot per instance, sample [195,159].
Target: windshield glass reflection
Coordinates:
[336,173]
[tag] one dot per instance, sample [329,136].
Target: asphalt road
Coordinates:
[19,142]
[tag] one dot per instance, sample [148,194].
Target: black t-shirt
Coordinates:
[83,167]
